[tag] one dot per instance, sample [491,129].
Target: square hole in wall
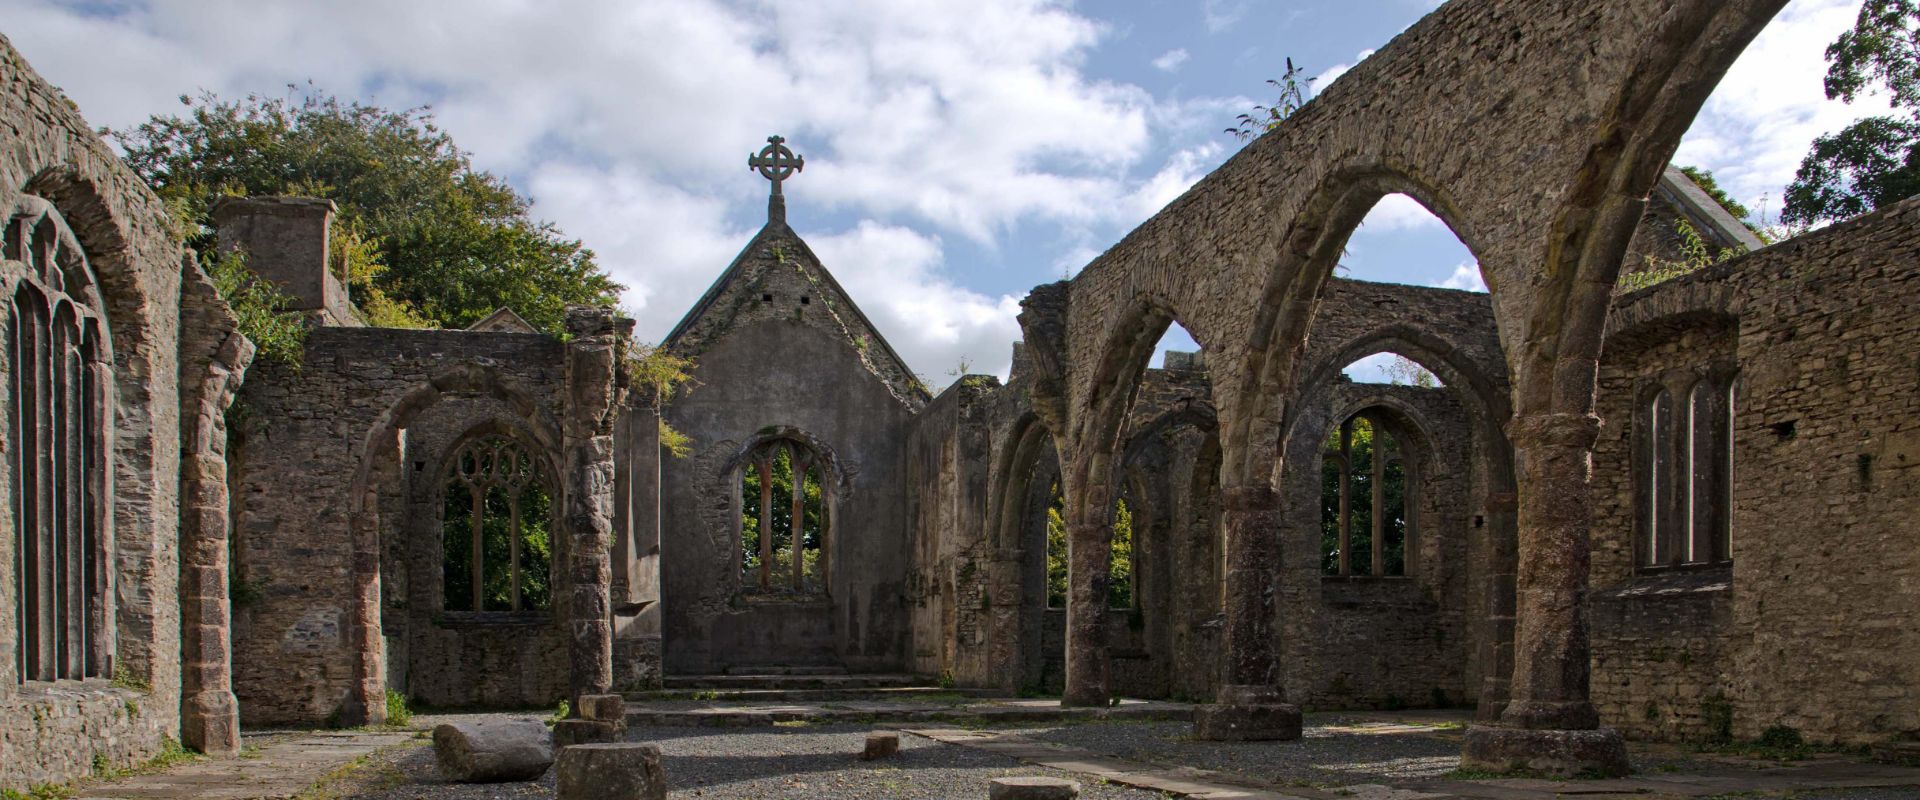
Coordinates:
[804,299]
[766,298]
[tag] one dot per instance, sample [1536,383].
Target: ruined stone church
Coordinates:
[1667,513]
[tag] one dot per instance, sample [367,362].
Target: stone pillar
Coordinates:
[1251,705]
[1550,724]
[209,713]
[1088,553]
[593,361]
[1496,647]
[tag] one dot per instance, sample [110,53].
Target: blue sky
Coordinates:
[954,160]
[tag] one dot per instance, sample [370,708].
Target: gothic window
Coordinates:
[1684,474]
[497,529]
[1365,487]
[784,519]
[59,372]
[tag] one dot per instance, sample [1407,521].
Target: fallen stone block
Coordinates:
[570,732]
[615,771]
[1033,789]
[492,751]
[880,745]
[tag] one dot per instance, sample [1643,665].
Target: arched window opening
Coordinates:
[496,526]
[1057,549]
[1400,241]
[1177,349]
[783,542]
[1684,486]
[1392,369]
[59,374]
[1364,494]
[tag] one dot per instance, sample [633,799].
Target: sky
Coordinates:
[953,160]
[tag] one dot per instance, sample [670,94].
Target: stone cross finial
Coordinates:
[776,163]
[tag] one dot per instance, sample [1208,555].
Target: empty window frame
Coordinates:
[1365,491]
[497,530]
[784,519]
[59,374]
[1683,473]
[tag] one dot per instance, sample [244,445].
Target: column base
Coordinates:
[1594,753]
[210,723]
[1265,722]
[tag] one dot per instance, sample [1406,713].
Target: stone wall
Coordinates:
[1392,641]
[308,547]
[782,353]
[463,659]
[53,731]
[1811,628]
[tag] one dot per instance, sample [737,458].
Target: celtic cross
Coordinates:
[776,163]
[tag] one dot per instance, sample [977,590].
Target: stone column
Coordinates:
[1550,724]
[209,713]
[1496,647]
[1089,551]
[1251,705]
[593,360]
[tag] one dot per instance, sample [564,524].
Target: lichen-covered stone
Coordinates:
[620,771]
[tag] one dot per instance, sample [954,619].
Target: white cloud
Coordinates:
[1762,118]
[1466,277]
[1171,60]
[1398,212]
[1333,73]
[1222,14]
[628,123]
[1185,168]
[893,274]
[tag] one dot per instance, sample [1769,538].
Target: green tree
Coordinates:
[425,238]
[1056,551]
[1366,442]
[1120,558]
[1119,555]
[781,527]
[1874,161]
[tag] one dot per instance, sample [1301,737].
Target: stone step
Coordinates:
[788,682]
[812,695]
[779,669]
[896,712]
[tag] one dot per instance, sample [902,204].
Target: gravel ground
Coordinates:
[758,763]
[1897,793]
[1321,758]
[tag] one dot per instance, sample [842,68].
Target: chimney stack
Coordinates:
[286,242]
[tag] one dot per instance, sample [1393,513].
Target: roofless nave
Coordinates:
[1681,512]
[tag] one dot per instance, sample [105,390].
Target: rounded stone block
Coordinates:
[1597,753]
[1029,788]
[610,771]
[880,744]
[492,751]
[1265,722]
